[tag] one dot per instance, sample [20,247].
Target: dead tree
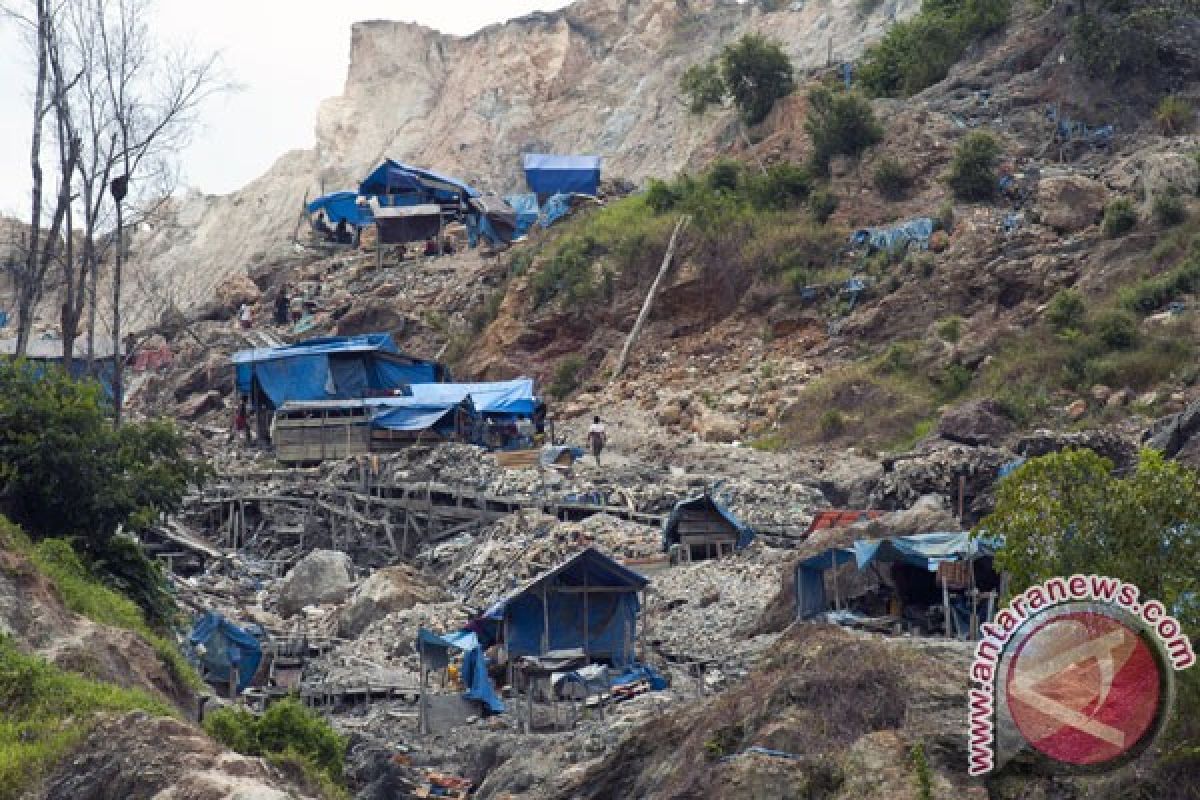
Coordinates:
[650,295]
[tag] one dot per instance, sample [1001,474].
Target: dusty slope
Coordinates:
[599,76]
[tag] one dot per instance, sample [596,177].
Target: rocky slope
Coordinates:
[599,76]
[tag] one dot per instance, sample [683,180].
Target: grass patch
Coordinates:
[566,376]
[47,711]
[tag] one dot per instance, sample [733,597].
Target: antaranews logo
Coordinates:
[1079,669]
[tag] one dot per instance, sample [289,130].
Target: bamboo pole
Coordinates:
[645,312]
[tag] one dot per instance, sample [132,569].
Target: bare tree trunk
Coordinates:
[645,312]
[118,356]
[28,289]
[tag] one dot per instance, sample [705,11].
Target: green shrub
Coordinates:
[783,186]
[1119,218]
[568,272]
[950,329]
[832,423]
[919,52]
[287,728]
[1066,311]
[1169,210]
[566,376]
[660,196]
[756,73]
[899,359]
[725,175]
[821,204]
[1114,48]
[839,123]
[973,168]
[1173,115]
[892,178]
[1117,330]
[952,381]
[702,86]
[945,216]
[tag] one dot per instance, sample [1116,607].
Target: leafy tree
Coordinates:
[973,169]
[839,123]
[286,727]
[1067,512]
[65,471]
[703,87]
[756,73]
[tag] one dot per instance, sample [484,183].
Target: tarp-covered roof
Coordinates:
[474,666]
[497,397]
[392,177]
[339,206]
[925,549]
[588,566]
[323,345]
[705,502]
[226,646]
[549,174]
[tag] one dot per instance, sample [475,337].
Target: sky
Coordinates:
[287,56]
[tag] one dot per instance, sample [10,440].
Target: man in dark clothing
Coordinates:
[281,306]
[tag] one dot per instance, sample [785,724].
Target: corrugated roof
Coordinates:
[829,518]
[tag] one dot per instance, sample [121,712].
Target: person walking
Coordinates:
[597,437]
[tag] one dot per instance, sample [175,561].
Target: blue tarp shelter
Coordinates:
[42,354]
[513,397]
[226,646]
[810,580]
[589,602]
[341,206]
[697,520]
[410,414]
[330,368]
[396,184]
[527,210]
[434,650]
[558,174]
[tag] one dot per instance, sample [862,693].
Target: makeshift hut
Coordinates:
[228,655]
[42,354]
[490,218]
[588,603]
[549,175]
[338,216]
[395,184]
[927,582]
[701,528]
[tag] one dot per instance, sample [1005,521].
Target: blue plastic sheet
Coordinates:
[393,178]
[916,231]
[225,646]
[641,672]
[925,549]
[526,206]
[554,209]
[514,397]
[562,174]
[474,666]
[339,206]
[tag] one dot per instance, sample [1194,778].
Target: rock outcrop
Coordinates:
[322,576]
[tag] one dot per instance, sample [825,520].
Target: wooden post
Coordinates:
[645,312]
[946,606]
[587,651]
[545,621]
[642,629]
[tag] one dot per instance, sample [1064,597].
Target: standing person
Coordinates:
[597,438]
[281,306]
[296,304]
[245,317]
[241,422]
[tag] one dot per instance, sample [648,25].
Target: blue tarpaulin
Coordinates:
[610,629]
[705,502]
[810,580]
[641,672]
[474,665]
[897,237]
[411,418]
[554,209]
[339,206]
[528,212]
[330,368]
[498,397]
[401,184]
[924,549]
[556,174]
[226,646]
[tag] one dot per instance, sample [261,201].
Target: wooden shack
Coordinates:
[700,528]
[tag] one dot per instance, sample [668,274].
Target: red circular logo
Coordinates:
[1084,688]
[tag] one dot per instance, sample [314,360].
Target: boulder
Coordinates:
[322,576]
[1116,448]
[237,290]
[974,422]
[372,314]
[930,514]
[213,374]
[197,405]
[1120,398]
[713,426]
[1070,202]
[1165,172]
[1077,409]
[1177,435]
[387,590]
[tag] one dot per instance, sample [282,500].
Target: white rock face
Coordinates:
[322,576]
[600,76]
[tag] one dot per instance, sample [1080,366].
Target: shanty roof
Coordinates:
[590,567]
[392,177]
[496,397]
[325,345]
[340,206]
[925,549]
[828,518]
[549,174]
[704,502]
[53,348]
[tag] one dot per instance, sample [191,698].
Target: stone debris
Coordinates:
[322,576]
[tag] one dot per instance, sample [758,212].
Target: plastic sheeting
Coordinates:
[610,627]
[745,534]
[916,230]
[554,209]
[226,646]
[339,206]
[925,549]
[527,211]
[474,666]
[554,174]
[511,397]
[393,178]
[410,419]
[810,580]
[641,672]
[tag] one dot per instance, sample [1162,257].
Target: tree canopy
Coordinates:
[753,71]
